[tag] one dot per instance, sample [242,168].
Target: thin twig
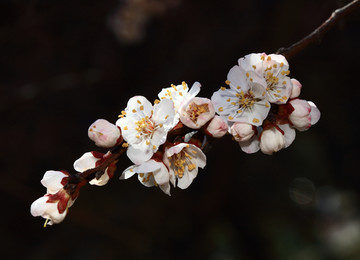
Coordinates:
[318,33]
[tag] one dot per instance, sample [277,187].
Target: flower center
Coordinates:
[195,110]
[145,126]
[246,100]
[180,161]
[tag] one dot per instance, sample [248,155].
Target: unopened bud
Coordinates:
[296,88]
[217,127]
[272,140]
[242,131]
[104,133]
[300,117]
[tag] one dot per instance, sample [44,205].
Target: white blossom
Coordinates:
[183,161]
[274,69]
[150,173]
[244,101]
[53,206]
[145,127]
[197,112]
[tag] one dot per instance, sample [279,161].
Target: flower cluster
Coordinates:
[165,139]
[261,105]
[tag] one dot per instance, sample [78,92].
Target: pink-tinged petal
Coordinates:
[128,172]
[104,133]
[165,188]
[314,113]
[250,146]
[139,156]
[242,131]
[217,127]
[271,140]
[236,77]
[289,134]
[52,181]
[300,117]
[296,89]
[138,105]
[175,149]
[85,162]
[164,113]
[197,112]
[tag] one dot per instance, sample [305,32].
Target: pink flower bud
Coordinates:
[197,112]
[300,117]
[271,140]
[242,131]
[314,113]
[296,88]
[217,127]
[104,133]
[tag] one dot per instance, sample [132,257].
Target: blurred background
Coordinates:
[65,64]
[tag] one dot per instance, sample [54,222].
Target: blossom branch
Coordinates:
[318,33]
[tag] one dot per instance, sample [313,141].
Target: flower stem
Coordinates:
[318,33]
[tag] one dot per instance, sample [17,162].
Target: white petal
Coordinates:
[149,166]
[52,181]
[237,78]
[164,113]
[140,105]
[128,129]
[187,178]
[40,207]
[289,134]
[165,188]
[146,179]
[128,172]
[162,175]
[101,181]
[198,155]
[250,146]
[250,60]
[85,162]
[139,156]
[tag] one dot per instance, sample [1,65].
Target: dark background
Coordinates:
[63,64]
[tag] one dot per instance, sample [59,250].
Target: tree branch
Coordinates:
[318,33]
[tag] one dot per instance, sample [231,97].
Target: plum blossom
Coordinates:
[183,161]
[180,94]
[244,101]
[242,131]
[217,127]
[145,127]
[197,112]
[304,114]
[296,89]
[150,173]
[53,206]
[104,133]
[91,160]
[276,138]
[274,69]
